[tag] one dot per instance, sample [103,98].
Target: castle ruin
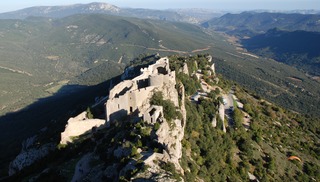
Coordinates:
[133,96]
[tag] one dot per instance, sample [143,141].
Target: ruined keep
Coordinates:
[133,96]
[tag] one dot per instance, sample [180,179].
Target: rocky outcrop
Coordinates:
[154,168]
[183,110]
[214,122]
[79,125]
[209,58]
[170,137]
[213,69]
[185,69]
[82,168]
[29,154]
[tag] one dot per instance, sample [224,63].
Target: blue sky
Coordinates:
[10,5]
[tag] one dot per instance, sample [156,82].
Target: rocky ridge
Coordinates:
[137,140]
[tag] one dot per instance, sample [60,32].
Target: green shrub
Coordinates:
[156,126]
[169,109]
[89,113]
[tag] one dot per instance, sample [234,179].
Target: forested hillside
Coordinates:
[252,23]
[40,55]
[300,49]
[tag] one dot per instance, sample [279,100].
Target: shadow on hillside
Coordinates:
[51,113]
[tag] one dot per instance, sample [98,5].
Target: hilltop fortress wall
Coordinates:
[134,95]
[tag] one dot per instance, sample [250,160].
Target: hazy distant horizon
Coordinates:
[229,5]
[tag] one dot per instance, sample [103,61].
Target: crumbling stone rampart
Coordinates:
[131,96]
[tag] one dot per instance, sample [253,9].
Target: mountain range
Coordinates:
[46,52]
[288,38]
[104,8]
[253,23]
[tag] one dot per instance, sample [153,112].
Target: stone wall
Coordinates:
[133,95]
[160,78]
[116,108]
[79,125]
[153,114]
[127,84]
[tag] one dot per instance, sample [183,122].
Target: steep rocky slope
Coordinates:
[173,137]
[146,142]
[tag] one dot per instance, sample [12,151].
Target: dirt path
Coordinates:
[164,49]
[16,71]
[120,60]
[200,50]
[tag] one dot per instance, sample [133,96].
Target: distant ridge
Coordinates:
[298,48]
[252,23]
[96,8]
[297,11]
[61,11]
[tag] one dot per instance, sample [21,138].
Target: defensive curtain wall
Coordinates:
[125,98]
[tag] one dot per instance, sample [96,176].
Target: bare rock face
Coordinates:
[183,110]
[153,161]
[185,69]
[29,154]
[79,125]
[209,58]
[169,92]
[82,167]
[213,69]
[170,137]
[214,122]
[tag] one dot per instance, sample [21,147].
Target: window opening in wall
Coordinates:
[162,70]
[131,109]
[118,106]
[143,83]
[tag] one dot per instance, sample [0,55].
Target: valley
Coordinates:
[287,38]
[82,48]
